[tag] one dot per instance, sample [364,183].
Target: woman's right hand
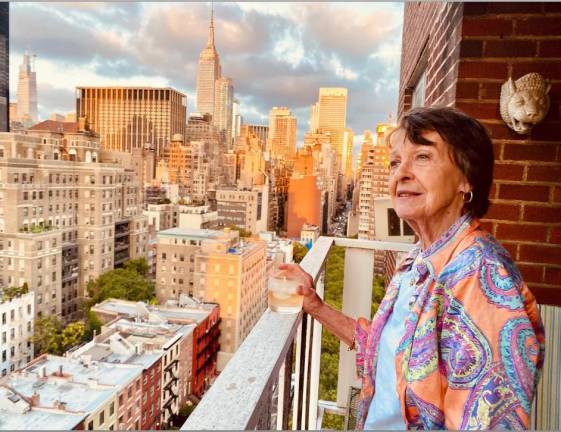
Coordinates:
[312,302]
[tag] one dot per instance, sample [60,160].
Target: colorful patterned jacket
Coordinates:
[473,344]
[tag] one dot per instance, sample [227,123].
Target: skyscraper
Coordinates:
[208,72]
[330,115]
[128,118]
[27,92]
[281,141]
[223,105]
[4,66]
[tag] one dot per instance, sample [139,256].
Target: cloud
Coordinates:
[278,54]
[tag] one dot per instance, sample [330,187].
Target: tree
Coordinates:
[127,283]
[93,324]
[12,292]
[73,334]
[243,232]
[299,251]
[47,335]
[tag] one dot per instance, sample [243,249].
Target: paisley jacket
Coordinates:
[474,341]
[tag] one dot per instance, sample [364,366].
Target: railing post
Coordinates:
[315,361]
[357,301]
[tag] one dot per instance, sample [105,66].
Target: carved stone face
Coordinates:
[524,102]
[527,108]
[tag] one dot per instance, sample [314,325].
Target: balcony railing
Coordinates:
[261,388]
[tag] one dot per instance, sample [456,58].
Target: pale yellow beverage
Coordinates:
[282,295]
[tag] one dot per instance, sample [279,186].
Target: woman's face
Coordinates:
[426,186]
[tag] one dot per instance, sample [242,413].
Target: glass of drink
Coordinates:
[282,294]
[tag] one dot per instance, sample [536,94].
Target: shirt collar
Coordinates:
[437,254]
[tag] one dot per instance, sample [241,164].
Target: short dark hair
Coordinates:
[469,142]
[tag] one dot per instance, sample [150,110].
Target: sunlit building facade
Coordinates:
[282,133]
[127,118]
[208,72]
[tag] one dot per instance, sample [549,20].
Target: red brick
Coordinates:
[475,8]
[471,48]
[467,90]
[521,232]
[540,253]
[524,192]
[548,173]
[515,7]
[487,27]
[542,214]
[557,194]
[504,212]
[493,191]
[555,235]
[508,172]
[548,68]
[479,69]
[512,249]
[552,7]
[534,152]
[510,48]
[487,226]
[539,26]
[479,110]
[502,131]
[548,130]
[553,276]
[546,295]
[550,48]
[490,91]
[497,150]
[531,273]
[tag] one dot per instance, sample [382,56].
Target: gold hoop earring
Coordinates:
[470,199]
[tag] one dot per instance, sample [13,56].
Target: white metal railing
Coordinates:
[260,388]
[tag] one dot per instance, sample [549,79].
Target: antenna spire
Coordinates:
[211,27]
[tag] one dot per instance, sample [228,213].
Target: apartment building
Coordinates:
[247,209]
[73,386]
[139,405]
[218,267]
[16,329]
[68,212]
[186,311]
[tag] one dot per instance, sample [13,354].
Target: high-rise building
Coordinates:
[127,118]
[260,131]
[208,72]
[27,92]
[304,205]
[347,154]
[282,133]
[65,218]
[330,115]
[237,120]
[223,106]
[4,66]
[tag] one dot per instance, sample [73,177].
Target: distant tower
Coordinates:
[27,92]
[4,66]
[207,73]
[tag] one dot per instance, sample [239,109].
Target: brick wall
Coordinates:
[487,43]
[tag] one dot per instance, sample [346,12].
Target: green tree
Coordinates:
[12,292]
[73,334]
[299,251]
[93,324]
[243,232]
[128,283]
[47,335]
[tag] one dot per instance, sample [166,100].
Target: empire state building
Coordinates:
[207,74]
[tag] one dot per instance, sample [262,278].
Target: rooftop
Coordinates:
[191,233]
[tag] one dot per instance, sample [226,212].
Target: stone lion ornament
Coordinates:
[524,102]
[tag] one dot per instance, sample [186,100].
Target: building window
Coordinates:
[112,408]
[418,96]
[90,425]
[101,417]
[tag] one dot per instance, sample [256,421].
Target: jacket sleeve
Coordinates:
[361,336]
[492,349]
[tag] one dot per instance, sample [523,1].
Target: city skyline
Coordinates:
[159,45]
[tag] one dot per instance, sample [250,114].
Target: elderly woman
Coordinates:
[457,341]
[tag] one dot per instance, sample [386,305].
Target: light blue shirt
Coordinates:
[385,409]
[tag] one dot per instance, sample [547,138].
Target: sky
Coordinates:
[278,54]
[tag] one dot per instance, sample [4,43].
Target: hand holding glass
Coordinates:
[283,297]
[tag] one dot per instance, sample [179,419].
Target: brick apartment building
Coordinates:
[460,54]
